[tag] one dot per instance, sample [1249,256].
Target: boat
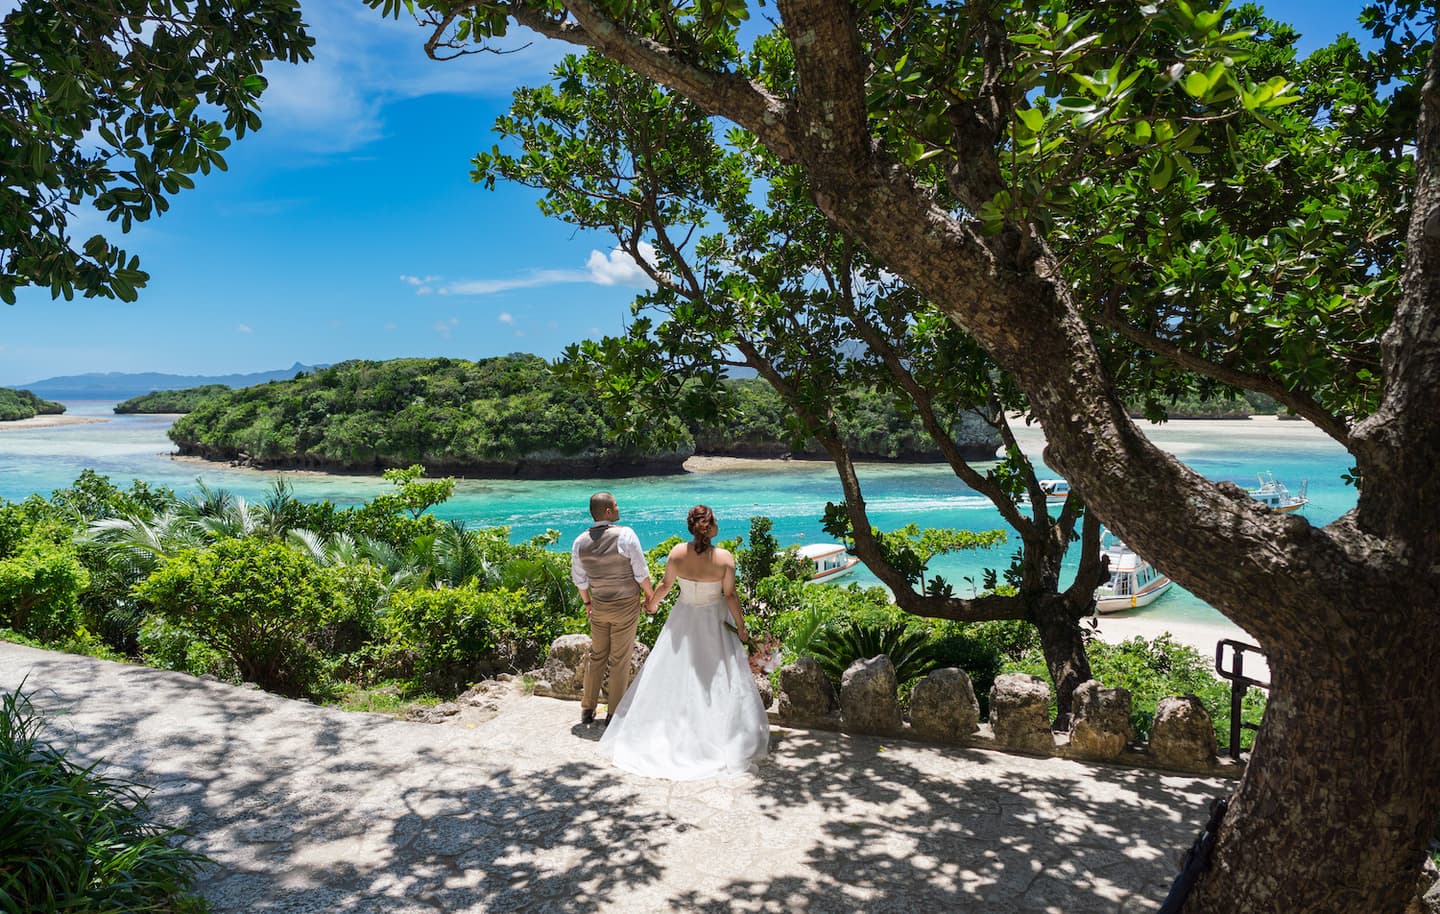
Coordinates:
[1277,497]
[1133,582]
[1055,489]
[830,559]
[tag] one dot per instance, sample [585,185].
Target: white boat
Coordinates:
[830,559]
[1274,495]
[1055,489]
[1133,582]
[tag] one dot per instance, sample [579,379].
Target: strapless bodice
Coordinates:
[698,590]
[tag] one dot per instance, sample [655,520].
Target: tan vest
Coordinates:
[611,577]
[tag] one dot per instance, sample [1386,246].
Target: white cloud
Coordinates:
[446,327]
[506,317]
[364,61]
[245,328]
[535,278]
[614,269]
[619,268]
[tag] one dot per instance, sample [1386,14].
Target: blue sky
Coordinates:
[348,227]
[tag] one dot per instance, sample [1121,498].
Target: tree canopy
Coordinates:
[115,105]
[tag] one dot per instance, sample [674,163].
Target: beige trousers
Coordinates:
[612,641]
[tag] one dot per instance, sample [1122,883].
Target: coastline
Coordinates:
[1174,436]
[241,468]
[49,422]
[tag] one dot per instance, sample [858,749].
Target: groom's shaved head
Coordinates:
[600,503]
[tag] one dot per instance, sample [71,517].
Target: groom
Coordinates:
[608,566]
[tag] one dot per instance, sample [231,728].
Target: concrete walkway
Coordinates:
[308,809]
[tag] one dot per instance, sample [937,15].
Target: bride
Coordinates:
[694,711]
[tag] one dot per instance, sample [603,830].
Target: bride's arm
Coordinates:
[666,582]
[727,587]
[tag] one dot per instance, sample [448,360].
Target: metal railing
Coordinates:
[1239,685]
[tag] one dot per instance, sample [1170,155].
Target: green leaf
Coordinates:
[1161,173]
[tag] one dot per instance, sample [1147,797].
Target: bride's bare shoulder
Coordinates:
[724,557]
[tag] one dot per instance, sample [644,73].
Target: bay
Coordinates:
[792,493]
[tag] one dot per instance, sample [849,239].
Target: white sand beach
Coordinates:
[48,422]
[1202,637]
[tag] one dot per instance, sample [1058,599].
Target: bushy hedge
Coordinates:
[72,839]
[41,581]
[259,603]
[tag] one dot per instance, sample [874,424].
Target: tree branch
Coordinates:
[1299,403]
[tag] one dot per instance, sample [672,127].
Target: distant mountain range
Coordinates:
[120,385]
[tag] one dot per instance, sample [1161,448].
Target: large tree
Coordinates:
[115,105]
[748,273]
[908,120]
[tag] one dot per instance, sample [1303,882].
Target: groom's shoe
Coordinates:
[587,715]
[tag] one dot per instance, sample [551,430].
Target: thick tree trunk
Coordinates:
[1342,791]
[1063,644]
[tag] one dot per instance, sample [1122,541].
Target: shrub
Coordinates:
[172,646]
[261,604]
[40,587]
[449,637]
[1156,669]
[909,649]
[72,839]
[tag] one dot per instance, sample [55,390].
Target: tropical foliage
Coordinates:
[73,839]
[303,598]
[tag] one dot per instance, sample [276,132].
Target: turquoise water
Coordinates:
[793,494]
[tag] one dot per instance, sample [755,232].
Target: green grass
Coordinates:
[82,642]
[390,698]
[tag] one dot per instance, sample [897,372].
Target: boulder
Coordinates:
[1427,890]
[806,696]
[477,705]
[868,700]
[563,675]
[1020,713]
[1101,727]
[1183,735]
[943,707]
[767,691]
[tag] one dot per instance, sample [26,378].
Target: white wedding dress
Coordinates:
[694,711]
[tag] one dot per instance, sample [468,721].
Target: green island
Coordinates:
[504,416]
[22,404]
[169,401]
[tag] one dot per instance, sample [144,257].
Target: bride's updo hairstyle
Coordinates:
[698,523]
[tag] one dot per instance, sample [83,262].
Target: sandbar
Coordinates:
[49,422]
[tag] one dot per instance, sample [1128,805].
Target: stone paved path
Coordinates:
[308,809]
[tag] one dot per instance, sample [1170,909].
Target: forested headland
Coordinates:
[170,401]
[22,404]
[504,416]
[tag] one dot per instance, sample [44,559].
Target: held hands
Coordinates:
[652,603]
